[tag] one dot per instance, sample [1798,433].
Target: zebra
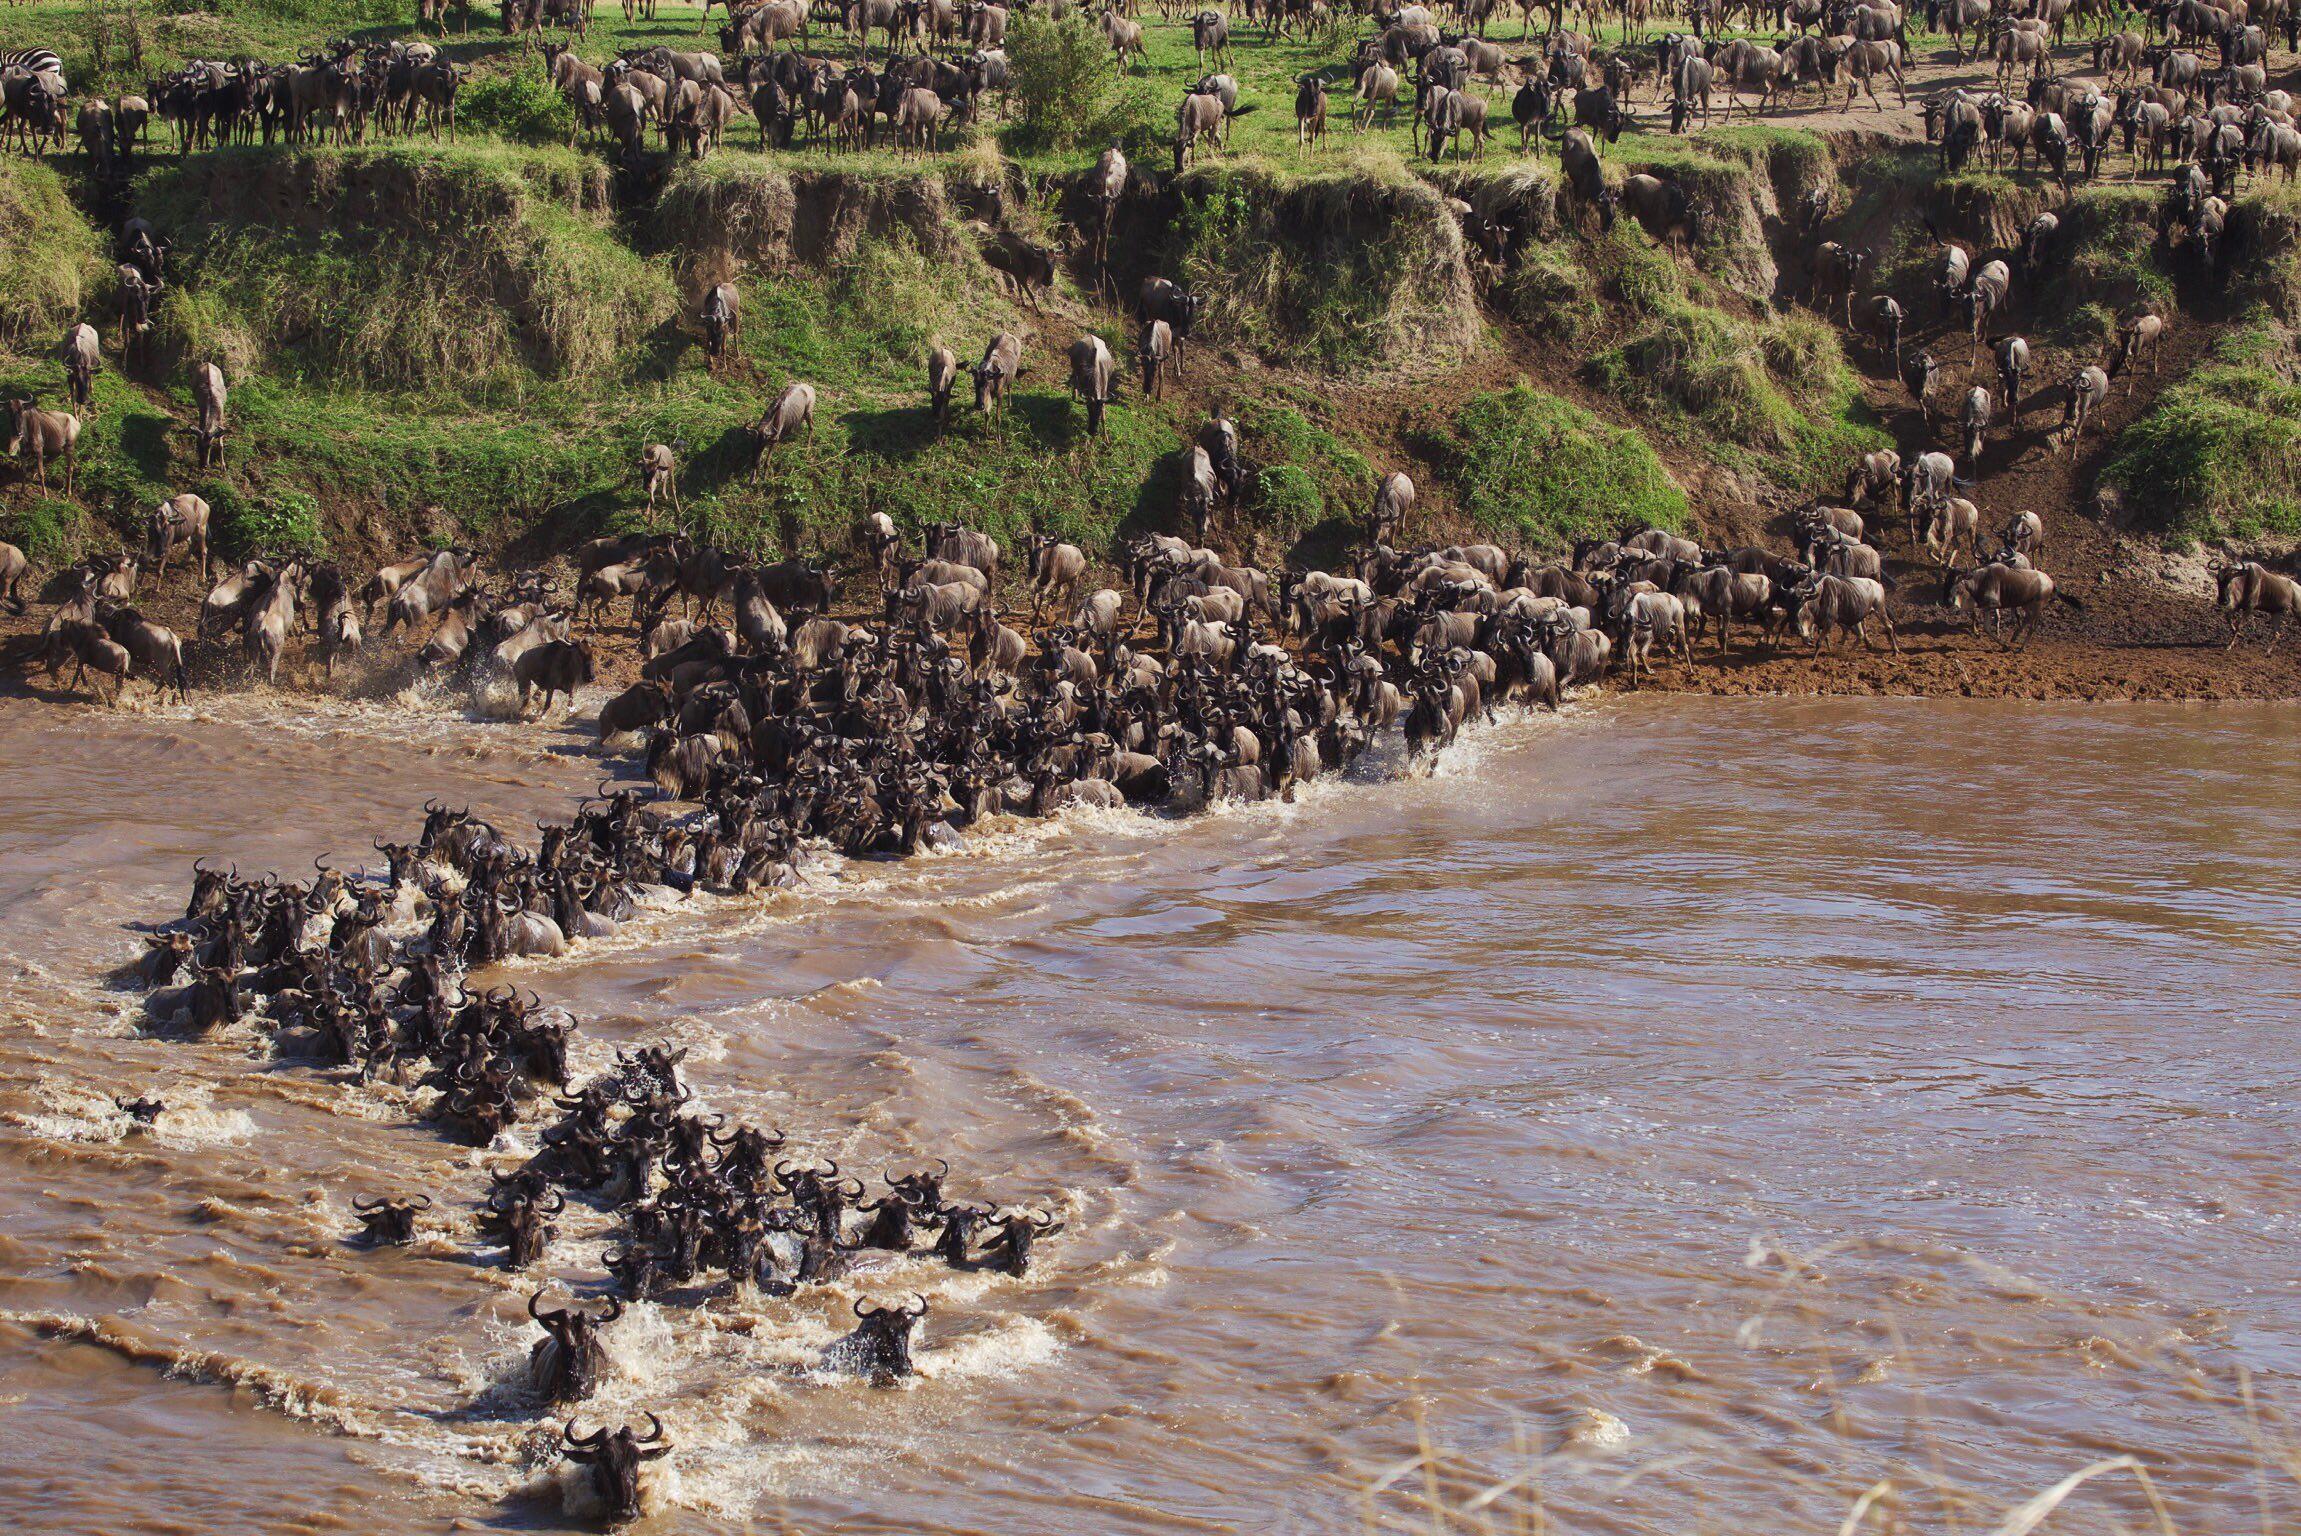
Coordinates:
[34,61]
[32,94]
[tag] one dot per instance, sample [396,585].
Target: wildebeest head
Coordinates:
[614,1458]
[211,890]
[386,1222]
[882,1340]
[571,1362]
[1011,1250]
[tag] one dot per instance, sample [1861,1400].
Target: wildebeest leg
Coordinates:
[2276,634]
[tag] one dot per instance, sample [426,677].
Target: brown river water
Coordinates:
[1680,1115]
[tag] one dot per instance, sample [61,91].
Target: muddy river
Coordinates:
[1675,1116]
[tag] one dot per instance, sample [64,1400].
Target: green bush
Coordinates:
[1709,365]
[1551,290]
[1066,94]
[50,531]
[1286,498]
[278,522]
[517,106]
[1530,464]
[50,257]
[2218,456]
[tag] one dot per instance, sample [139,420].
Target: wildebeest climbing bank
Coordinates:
[825,445]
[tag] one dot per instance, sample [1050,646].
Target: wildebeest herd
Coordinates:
[772,722]
[372,977]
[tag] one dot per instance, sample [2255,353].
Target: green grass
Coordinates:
[1542,472]
[405,266]
[51,258]
[2110,265]
[2218,457]
[50,530]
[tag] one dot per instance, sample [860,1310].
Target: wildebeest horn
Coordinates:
[587,1441]
[654,1430]
[538,1316]
[864,1308]
[918,1306]
[200,865]
[614,1310]
[421,1202]
[374,1203]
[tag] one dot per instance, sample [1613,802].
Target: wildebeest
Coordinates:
[722,318]
[2136,334]
[1198,120]
[1094,377]
[1976,427]
[614,1460]
[1157,357]
[43,435]
[1162,299]
[2011,354]
[1882,318]
[152,648]
[1830,606]
[1984,297]
[385,1222]
[208,397]
[1585,176]
[659,477]
[181,519]
[2088,389]
[1310,109]
[1919,375]
[557,666]
[1999,589]
[136,293]
[792,412]
[1393,501]
[269,619]
[430,589]
[81,354]
[942,376]
[1056,571]
[1662,209]
[2248,588]
[13,565]
[996,373]
[1836,273]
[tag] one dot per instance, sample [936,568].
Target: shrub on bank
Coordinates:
[1066,95]
[50,257]
[1545,472]
[50,531]
[277,522]
[520,106]
[2218,457]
